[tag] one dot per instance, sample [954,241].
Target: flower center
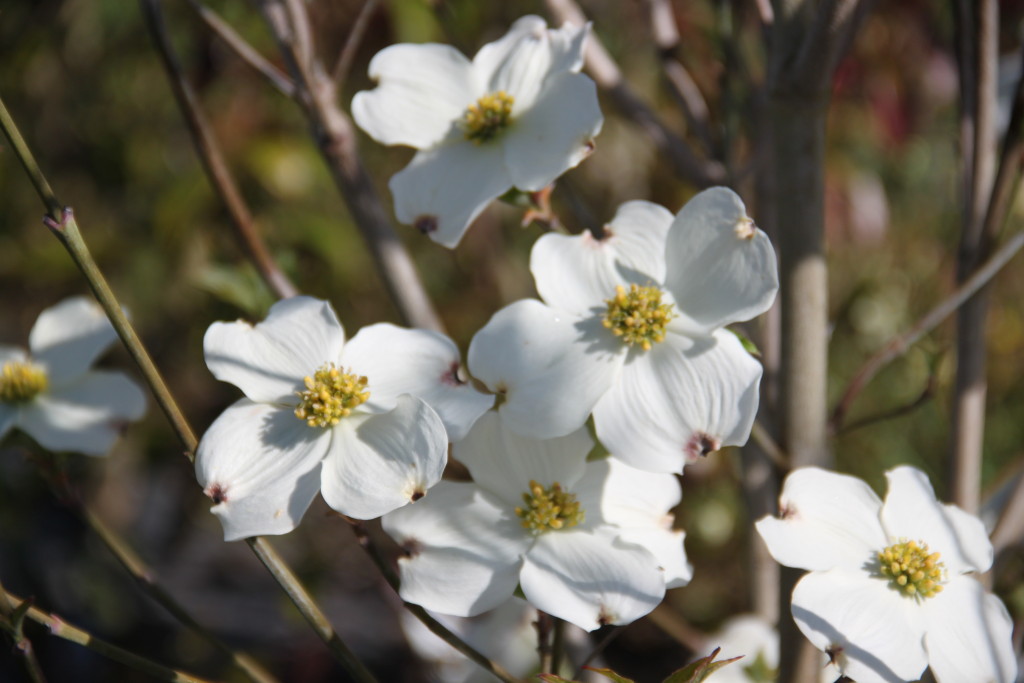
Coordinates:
[21,382]
[330,395]
[488,116]
[911,569]
[549,508]
[638,316]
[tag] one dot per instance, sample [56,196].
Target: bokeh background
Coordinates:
[85,84]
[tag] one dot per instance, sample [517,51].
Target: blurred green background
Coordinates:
[86,87]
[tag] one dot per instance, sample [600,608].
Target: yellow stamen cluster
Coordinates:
[638,316]
[911,569]
[21,382]
[549,508]
[330,395]
[488,116]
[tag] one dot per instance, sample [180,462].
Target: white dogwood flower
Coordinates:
[588,542]
[51,392]
[355,421]
[889,590]
[518,115]
[631,328]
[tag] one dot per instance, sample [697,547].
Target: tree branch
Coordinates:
[334,135]
[605,72]
[66,631]
[217,170]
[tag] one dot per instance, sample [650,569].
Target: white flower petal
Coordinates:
[684,397]
[491,56]
[261,466]
[379,463]
[422,91]
[85,416]
[68,337]
[422,363]
[879,631]
[463,551]
[969,635]
[748,636]
[551,367]
[12,354]
[526,63]
[555,134]
[503,462]
[912,512]
[667,547]
[827,520]
[578,273]
[591,579]
[639,505]
[444,189]
[269,361]
[721,269]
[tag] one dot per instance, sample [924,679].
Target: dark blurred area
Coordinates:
[86,87]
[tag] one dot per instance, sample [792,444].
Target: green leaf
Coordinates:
[700,669]
[748,345]
[552,678]
[608,673]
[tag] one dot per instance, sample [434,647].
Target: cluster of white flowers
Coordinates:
[630,331]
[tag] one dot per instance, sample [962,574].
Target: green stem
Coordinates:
[62,629]
[146,579]
[435,626]
[13,619]
[309,609]
[62,223]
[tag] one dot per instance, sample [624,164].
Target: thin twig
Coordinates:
[613,633]
[147,580]
[334,135]
[12,620]
[760,434]
[66,631]
[275,564]
[898,345]
[436,627]
[926,394]
[67,231]
[605,72]
[681,84]
[355,37]
[243,49]
[544,626]
[672,623]
[217,170]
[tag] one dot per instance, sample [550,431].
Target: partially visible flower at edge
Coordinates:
[632,328]
[51,392]
[587,542]
[889,590]
[365,422]
[506,635]
[518,115]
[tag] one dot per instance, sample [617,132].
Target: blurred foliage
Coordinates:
[85,85]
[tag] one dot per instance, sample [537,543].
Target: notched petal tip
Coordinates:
[745,228]
[787,511]
[426,224]
[605,616]
[701,444]
[411,547]
[416,495]
[218,493]
[452,377]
